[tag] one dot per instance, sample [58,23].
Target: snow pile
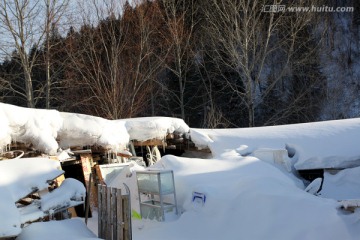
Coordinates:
[330,144]
[342,185]
[18,178]
[24,175]
[37,126]
[43,128]
[245,199]
[70,190]
[70,229]
[142,129]
[82,130]
[10,217]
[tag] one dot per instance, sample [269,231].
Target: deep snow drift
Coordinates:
[246,198]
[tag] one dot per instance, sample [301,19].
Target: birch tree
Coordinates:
[180,24]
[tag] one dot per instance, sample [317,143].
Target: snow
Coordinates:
[43,128]
[246,198]
[329,144]
[251,187]
[37,126]
[147,128]
[83,130]
[24,175]
[19,178]
[343,185]
[10,217]
[70,190]
[70,229]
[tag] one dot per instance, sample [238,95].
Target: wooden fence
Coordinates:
[114,214]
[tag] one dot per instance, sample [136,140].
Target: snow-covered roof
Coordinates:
[328,144]
[48,130]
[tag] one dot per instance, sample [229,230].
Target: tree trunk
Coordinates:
[29,89]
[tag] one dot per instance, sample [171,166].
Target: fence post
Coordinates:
[100,212]
[108,215]
[103,208]
[112,215]
[119,211]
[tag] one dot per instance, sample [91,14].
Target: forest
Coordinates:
[213,63]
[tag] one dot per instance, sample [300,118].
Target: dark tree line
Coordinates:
[214,64]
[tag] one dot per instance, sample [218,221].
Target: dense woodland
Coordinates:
[213,63]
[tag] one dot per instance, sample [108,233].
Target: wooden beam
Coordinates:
[151,142]
[81,151]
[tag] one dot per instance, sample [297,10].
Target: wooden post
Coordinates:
[113,214]
[108,214]
[127,232]
[119,217]
[103,207]
[100,212]
[88,197]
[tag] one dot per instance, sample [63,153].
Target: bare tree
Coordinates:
[55,10]
[21,23]
[245,39]
[115,62]
[180,24]
[18,19]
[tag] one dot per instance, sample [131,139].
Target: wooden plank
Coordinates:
[88,196]
[98,174]
[120,154]
[99,210]
[119,216]
[108,215]
[103,206]
[81,151]
[126,216]
[151,142]
[113,213]
[86,166]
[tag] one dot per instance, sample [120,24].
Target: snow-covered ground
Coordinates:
[246,198]
[251,197]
